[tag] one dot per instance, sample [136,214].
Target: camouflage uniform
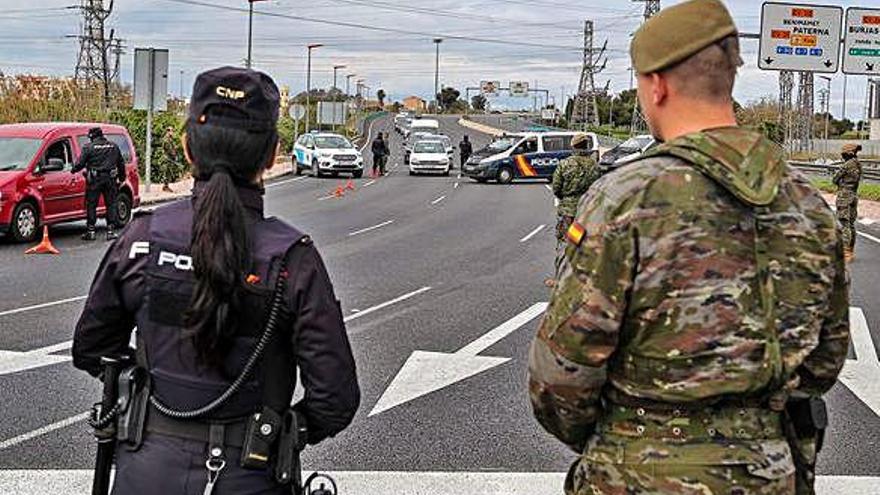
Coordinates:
[707,284]
[847,180]
[572,178]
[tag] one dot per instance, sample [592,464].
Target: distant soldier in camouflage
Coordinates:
[572,178]
[847,180]
[703,285]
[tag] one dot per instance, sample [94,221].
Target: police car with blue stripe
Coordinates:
[530,155]
[324,153]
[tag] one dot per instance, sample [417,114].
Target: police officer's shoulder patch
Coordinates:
[575,233]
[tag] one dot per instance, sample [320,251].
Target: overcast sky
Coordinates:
[533,40]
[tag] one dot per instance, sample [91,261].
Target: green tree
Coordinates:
[447,98]
[380,95]
[478,102]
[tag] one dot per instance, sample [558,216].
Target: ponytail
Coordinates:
[220,244]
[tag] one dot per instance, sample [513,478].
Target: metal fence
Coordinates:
[870,168]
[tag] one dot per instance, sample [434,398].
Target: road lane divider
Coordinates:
[41,306]
[24,437]
[369,183]
[288,181]
[533,233]
[441,198]
[866,236]
[370,229]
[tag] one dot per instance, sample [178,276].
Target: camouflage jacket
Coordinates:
[572,178]
[706,269]
[849,175]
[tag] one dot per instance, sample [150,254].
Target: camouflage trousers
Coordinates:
[712,452]
[847,213]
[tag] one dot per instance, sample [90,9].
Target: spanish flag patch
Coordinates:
[575,233]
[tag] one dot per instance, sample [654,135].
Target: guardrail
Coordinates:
[870,168]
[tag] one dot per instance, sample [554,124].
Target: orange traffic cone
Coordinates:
[349,185]
[45,246]
[340,192]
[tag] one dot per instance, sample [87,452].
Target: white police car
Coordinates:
[324,153]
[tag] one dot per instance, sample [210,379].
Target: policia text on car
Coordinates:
[227,304]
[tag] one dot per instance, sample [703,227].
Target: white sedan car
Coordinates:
[327,154]
[428,156]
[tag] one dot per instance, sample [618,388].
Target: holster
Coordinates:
[291,441]
[805,422]
[134,400]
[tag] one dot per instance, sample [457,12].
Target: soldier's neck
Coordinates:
[688,117]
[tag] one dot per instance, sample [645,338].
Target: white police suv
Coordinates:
[324,153]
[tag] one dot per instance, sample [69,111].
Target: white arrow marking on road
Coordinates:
[425,372]
[862,375]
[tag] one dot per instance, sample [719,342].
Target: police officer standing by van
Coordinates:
[702,309]
[105,171]
[228,304]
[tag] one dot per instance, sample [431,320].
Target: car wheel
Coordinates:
[25,222]
[316,172]
[358,174]
[123,209]
[297,170]
[412,172]
[505,175]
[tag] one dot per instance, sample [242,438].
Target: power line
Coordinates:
[375,28]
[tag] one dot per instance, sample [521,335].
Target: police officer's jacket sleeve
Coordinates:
[580,330]
[322,350]
[105,325]
[84,158]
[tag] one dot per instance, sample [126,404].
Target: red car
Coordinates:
[36,186]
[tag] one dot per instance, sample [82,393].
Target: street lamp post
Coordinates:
[309,83]
[335,68]
[250,30]
[437,42]
[348,84]
[827,110]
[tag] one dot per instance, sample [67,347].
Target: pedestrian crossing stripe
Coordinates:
[575,233]
[524,167]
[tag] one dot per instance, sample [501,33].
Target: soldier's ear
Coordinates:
[186,152]
[659,88]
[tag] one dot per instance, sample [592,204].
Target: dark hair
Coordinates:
[710,73]
[220,247]
[95,133]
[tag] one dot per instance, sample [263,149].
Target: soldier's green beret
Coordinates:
[580,141]
[678,32]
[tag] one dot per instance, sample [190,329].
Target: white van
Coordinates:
[424,125]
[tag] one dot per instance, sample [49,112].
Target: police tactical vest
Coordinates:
[178,377]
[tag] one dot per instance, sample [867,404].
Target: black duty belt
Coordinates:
[199,431]
[713,403]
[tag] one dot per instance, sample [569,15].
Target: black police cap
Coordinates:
[95,133]
[235,98]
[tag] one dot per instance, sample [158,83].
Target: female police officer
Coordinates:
[199,279]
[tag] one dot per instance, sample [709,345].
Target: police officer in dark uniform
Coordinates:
[465,149]
[105,171]
[204,280]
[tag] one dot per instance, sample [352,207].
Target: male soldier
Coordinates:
[170,143]
[105,170]
[847,180]
[572,178]
[465,150]
[702,284]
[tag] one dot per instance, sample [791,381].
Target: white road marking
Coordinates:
[385,304]
[24,437]
[548,187]
[455,186]
[441,198]
[369,183]
[41,306]
[281,183]
[325,198]
[866,236]
[533,233]
[862,375]
[368,229]
[867,221]
[425,372]
[79,481]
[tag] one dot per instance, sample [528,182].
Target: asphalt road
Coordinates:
[461,257]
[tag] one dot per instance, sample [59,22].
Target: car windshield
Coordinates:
[334,142]
[500,145]
[429,147]
[17,153]
[636,143]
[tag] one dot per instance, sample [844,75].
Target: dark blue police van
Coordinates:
[530,155]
